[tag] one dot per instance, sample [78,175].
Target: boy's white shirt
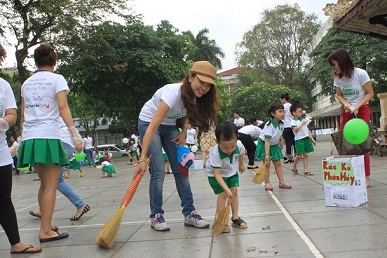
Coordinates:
[303,132]
[216,159]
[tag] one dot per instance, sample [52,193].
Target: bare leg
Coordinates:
[204,156]
[278,171]
[296,160]
[305,161]
[48,175]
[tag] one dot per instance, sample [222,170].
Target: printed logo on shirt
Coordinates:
[349,91]
[37,102]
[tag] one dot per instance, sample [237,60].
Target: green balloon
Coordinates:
[356,131]
[79,156]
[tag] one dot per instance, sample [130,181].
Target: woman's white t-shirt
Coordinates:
[170,94]
[288,115]
[7,101]
[40,105]
[352,88]
[88,142]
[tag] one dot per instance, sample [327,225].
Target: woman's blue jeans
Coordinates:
[89,156]
[64,187]
[162,138]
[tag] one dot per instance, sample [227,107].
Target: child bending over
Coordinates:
[223,163]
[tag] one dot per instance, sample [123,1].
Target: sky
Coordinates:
[227,21]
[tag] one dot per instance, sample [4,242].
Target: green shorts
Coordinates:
[232,181]
[165,157]
[304,145]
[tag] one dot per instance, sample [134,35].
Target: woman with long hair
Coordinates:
[353,91]
[195,99]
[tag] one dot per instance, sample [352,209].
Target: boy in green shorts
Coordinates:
[303,138]
[222,166]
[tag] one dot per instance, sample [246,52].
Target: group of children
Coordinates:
[226,158]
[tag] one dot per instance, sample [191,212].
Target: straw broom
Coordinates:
[108,234]
[260,174]
[222,219]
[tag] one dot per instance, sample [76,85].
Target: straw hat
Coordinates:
[205,71]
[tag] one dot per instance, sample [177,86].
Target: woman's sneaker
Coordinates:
[195,220]
[158,223]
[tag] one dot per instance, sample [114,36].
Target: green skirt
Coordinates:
[109,169]
[275,151]
[74,165]
[46,151]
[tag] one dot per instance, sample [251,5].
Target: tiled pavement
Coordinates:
[284,223]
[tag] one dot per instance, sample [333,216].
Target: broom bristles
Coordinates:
[259,175]
[222,220]
[108,234]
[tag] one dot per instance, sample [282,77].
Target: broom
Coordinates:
[222,219]
[108,234]
[260,174]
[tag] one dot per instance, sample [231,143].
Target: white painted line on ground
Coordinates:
[297,228]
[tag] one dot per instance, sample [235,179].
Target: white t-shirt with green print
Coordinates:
[352,88]
[171,95]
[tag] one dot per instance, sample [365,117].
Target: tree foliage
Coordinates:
[204,48]
[123,65]
[254,100]
[366,52]
[274,50]
[36,21]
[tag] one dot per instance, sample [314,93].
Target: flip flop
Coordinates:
[58,237]
[85,209]
[32,213]
[252,167]
[295,171]
[27,251]
[307,173]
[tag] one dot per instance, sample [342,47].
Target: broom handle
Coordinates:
[133,187]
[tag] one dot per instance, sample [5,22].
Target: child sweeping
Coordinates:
[225,159]
[270,143]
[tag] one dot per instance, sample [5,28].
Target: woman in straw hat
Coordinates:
[8,218]
[195,100]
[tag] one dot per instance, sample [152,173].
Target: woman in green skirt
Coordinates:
[44,99]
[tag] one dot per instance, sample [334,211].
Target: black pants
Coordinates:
[250,146]
[7,212]
[289,141]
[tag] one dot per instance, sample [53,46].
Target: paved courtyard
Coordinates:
[282,223]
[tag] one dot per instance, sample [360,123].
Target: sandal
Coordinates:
[226,229]
[307,173]
[252,166]
[238,223]
[35,215]
[268,187]
[85,209]
[285,186]
[295,171]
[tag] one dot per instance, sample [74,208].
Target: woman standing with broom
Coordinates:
[196,99]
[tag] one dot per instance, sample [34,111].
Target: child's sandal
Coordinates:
[226,229]
[285,186]
[239,223]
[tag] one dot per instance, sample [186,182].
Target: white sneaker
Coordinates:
[195,220]
[158,223]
